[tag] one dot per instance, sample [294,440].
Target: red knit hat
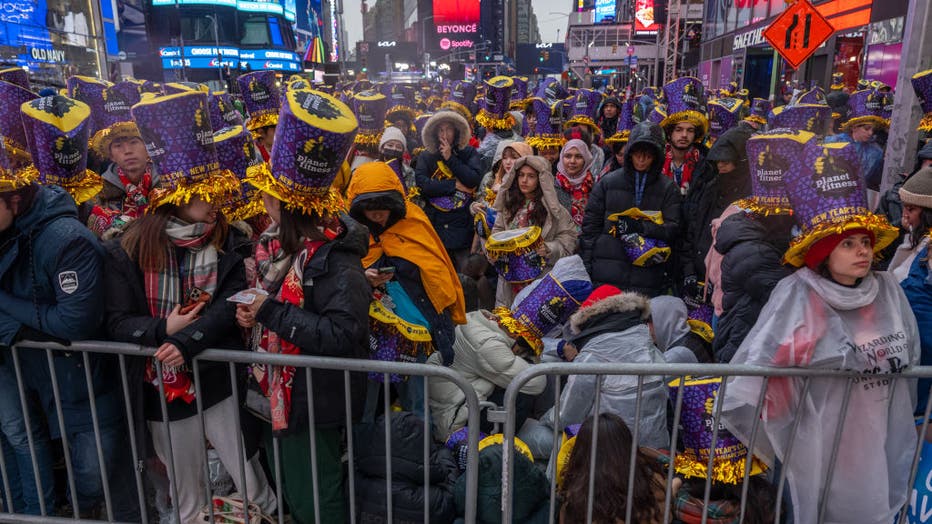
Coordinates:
[599,293]
[824,247]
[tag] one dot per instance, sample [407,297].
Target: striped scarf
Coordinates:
[684,174]
[167,288]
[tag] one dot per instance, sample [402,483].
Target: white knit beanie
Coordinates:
[393,133]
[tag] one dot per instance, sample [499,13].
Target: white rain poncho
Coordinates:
[812,322]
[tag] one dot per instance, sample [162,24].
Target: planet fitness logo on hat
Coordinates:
[834,176]
[317,105]
[770,169]
[311,158]
[67,152]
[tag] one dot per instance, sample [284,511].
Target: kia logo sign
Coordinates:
[387,44]
[544,46]
[444,43]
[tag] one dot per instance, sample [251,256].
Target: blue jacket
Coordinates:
[871,156]
[50,272]
[51,289]
[918,289]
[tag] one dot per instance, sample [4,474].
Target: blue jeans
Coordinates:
[16,449]
[89,481]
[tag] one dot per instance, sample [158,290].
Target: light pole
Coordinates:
[424,51]
[213,18]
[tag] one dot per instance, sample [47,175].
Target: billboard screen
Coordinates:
[644,16]
[604,10]
[207,57]
[456,23]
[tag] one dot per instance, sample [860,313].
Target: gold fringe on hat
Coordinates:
[368,140]
[490,121]
[518,104]
[926,123]
[546,140]
[508,321]
[323,201]
[16,179]
[726,470]
[620,137]
[81,189]
[18,153]
[102,139]
[220,186]
[256,122]
[867,119]
[884,234]
[244,211]
[408,112]
[757,119]
[693,117]
[762,207]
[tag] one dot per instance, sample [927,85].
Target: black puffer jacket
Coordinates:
[407,459]
[753,248]
[603,254]
[531,496]
[709,195]
[334,323]
[455,227]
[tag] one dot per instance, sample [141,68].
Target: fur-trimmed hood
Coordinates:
[623,303]
[429,134]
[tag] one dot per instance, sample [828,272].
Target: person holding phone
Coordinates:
[448,173]
[407,259]
[167,280]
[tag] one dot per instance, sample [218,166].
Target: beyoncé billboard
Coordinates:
[456,23]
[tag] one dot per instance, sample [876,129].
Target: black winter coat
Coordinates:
[334,323]
[455,228]
[603,254]
[128,320]
[709,194]
[407,460]
[753,249]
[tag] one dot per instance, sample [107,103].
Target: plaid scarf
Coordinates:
[684,174]
[277,269]
[689,509]
[133,206]
[169,287]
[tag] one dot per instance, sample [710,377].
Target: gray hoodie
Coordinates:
[669,318]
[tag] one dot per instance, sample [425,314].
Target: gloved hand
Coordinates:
[628,225]
[691,291]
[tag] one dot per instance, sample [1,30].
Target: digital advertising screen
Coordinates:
[604,10]
[644,17]
[207,57]
[456,23]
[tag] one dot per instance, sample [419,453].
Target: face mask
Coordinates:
[390,154]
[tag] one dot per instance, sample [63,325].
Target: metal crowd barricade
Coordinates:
[681,372]
[232,358]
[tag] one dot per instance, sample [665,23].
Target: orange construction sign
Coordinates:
[798,32]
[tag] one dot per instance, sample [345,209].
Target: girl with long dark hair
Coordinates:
[611,471]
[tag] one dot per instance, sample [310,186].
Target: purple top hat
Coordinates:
[685,98]
[827,193]
[462,98]
[922,85]
[625,123]
[815,118]
[118,99]
[91,92]
[550,89]
[814,96]
[771,156]
[315,132]
[419,124]
[236,152]
[723,115]
[585,107]
[865,107]
[519,93]
[261,97]
[222,112]
[15,75]
[57,129]
[180,141]
[11,123]
[697,426]
[495,115]
[548,131]
[400,102]
[760,107]
[369,108]
[886,106]
[657,115]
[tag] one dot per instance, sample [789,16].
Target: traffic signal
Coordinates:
[546,55]
[540,56]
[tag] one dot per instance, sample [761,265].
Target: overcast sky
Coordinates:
[548,23]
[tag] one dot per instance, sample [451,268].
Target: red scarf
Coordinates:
[134,204]
[689,164]
[579,195]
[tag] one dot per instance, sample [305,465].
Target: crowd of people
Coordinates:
[485,227]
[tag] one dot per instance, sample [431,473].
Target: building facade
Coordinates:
[866,43]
